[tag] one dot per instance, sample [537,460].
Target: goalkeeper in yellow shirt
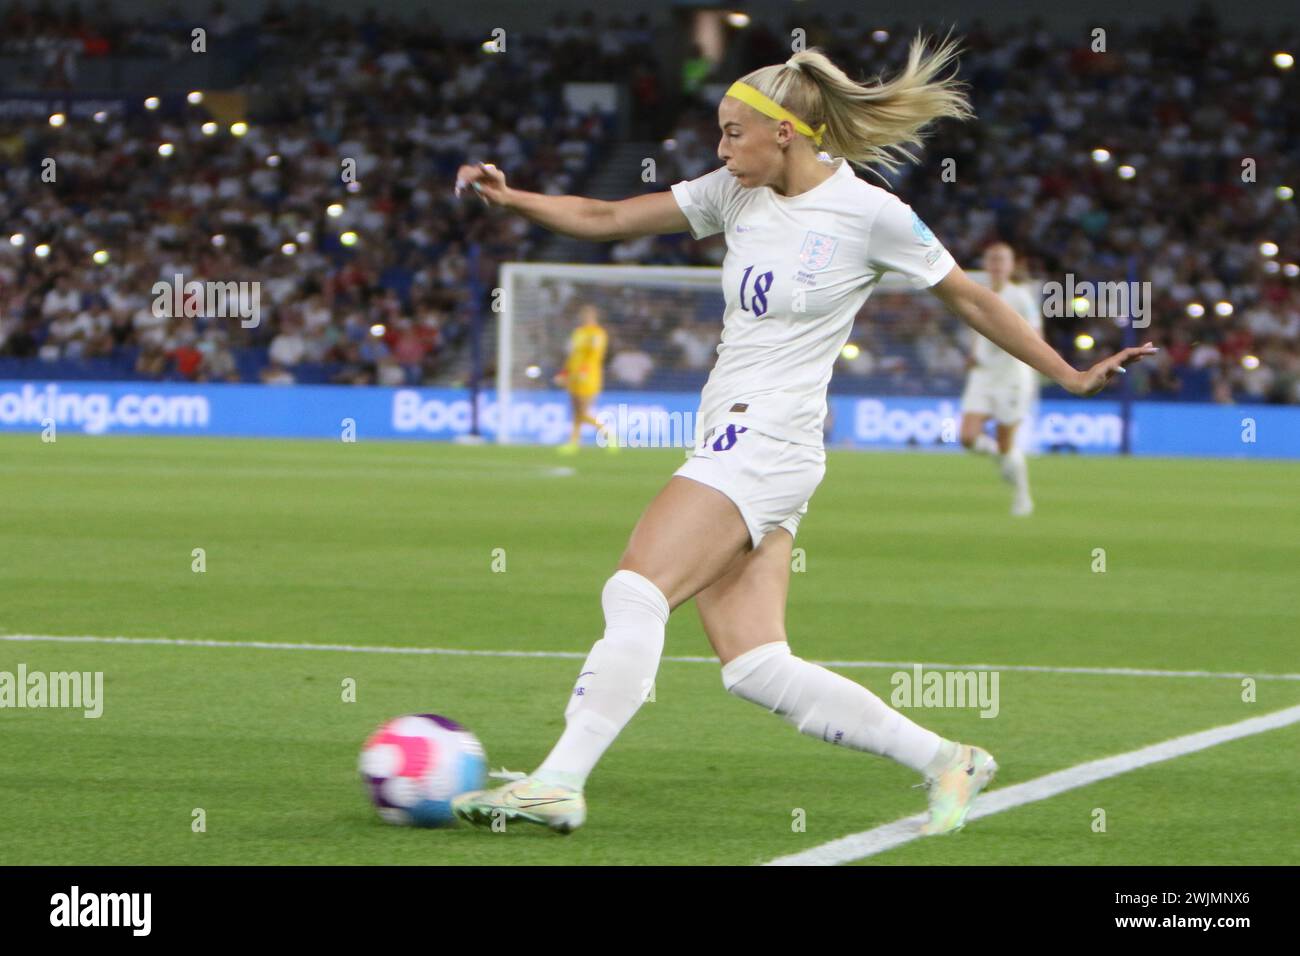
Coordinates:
[583,376]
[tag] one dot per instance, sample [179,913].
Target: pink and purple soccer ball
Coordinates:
[413,766]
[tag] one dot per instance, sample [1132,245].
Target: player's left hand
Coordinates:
[486,180]
[1095,379]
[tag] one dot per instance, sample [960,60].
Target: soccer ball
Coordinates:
[413,766]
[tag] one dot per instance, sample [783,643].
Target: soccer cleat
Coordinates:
[953,789]
[562,809]
[1023,505]
[568,448]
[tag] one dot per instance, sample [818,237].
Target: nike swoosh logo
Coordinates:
[538,803]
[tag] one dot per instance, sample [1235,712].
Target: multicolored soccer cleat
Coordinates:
[953,790]
[562,809]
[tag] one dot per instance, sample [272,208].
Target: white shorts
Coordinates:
[1006,399]
[769,480]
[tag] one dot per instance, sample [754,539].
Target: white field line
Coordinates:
[868,843]
[858,846]
[582,655]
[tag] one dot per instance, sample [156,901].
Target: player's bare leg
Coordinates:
[687,537]
[606,434]
[581,410]
[973,436]
[577,412]
[745,608]
[743,614]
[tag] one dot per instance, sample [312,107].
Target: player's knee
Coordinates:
[627,592]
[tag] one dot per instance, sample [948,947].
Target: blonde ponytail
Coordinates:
[872,123]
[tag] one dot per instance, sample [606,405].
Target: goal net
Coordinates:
[664,324]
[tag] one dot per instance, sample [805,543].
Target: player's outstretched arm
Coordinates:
[593,219]
[985,312]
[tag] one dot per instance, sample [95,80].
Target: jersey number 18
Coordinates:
[763,283]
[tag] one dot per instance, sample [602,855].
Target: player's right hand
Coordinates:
[486,180]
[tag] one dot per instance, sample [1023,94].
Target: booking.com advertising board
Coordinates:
[643,419]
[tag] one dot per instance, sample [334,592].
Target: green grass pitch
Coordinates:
[909,557]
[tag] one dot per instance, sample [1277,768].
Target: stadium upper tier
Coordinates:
[1171,158]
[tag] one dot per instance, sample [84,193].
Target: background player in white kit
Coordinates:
[806,243]
[1000,386]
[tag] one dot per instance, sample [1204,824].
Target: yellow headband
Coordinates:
[747,94]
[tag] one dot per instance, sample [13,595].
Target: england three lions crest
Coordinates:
[817,251]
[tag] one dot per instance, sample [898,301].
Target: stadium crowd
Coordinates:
[1178,106]
[374,280]
[379,280]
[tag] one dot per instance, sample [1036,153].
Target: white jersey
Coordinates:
[992,360]
[796,273]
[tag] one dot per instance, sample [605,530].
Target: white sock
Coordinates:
[821,703]
[984,444]
[1015,469]
[615,679]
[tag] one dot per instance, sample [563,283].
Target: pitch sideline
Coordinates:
[859,846]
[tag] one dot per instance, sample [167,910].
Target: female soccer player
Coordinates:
[582,374]
[999,386]
[806,242]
